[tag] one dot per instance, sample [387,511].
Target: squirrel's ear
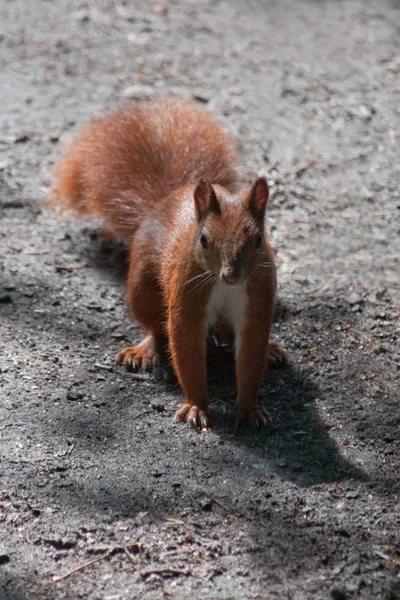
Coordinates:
[205,199]
[257,198]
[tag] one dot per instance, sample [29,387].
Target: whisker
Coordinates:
[197,276]
[264,266]
[202,282]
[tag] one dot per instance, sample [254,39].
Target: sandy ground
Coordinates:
[93,468]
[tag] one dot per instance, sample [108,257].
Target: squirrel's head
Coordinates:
[230,234]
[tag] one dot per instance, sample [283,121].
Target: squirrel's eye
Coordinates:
[259,240]
[203,240]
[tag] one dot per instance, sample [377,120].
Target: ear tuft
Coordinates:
[257,198]
[204,198]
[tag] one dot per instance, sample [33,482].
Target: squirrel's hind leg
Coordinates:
[276,356]
[146,302]
[151,352]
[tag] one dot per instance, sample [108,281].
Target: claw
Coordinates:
[257,417]
[276,356]
[147,365]
[203,420]
[144,355]
[194,416]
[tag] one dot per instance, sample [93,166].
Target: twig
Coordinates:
[103,367]
[213,501]
[110,552]
[306,197]
[71,266]
[164,572]
[129,555]
[142,414]
[84,566]
[174,522]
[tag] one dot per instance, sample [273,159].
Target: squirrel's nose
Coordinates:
[230,279]
[229,276]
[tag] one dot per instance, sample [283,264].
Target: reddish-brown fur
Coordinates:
[137,169]
[123,164]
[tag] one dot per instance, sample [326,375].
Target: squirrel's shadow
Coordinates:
[296,442]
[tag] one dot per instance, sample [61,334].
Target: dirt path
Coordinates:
[92,464]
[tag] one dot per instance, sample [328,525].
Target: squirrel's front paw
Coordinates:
[143,356]
[194,416]
[256,416]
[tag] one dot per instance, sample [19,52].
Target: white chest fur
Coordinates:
[229,302]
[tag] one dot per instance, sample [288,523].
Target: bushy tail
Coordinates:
[121,165]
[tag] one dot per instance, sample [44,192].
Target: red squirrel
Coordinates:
[163,175]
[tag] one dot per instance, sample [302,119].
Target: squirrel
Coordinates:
[162,175]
